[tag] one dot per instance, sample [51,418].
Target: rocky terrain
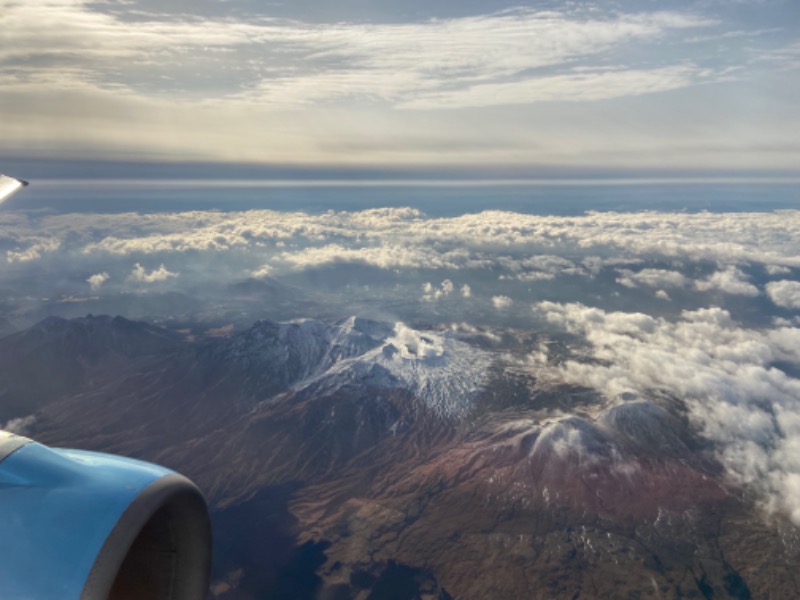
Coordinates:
[367,460]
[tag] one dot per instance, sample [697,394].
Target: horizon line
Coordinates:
[267,182]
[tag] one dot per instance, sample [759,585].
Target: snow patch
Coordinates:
[441,371]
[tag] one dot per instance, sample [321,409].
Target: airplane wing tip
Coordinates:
[9,185]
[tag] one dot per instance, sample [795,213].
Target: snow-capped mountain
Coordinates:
[444,373]
[441,371]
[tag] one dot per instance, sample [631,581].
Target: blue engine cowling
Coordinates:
[88,526]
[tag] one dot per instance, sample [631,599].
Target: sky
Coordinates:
[703,84]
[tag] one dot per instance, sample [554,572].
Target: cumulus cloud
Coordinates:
[97,280]
[730,281]
[656,278]
[141,275]
[724,372]
[466,291]
[501,302]
[432,293]
[411,344]
[777,269]
[784,293]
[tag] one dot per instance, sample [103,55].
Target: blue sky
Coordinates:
[708,84]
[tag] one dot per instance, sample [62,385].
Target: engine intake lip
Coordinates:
[159,548]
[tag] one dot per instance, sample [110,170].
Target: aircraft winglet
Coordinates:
[9,185]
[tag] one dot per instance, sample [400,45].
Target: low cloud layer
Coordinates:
[415,262]
[531,246]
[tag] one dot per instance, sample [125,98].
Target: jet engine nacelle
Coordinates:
[88,526]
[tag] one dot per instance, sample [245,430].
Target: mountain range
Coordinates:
[369,460]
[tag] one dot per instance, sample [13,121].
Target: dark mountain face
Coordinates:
[366,460]
[59,357]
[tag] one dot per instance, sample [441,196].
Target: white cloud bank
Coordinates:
[403,237]
[725,373]
[510,248]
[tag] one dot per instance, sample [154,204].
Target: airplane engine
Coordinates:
[89,526]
